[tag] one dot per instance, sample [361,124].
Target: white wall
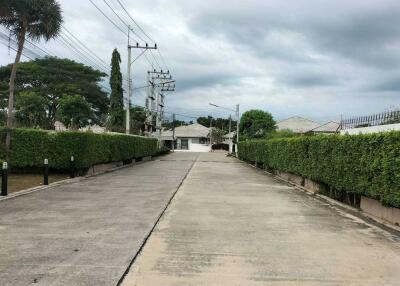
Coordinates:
[372,129]
[194,145]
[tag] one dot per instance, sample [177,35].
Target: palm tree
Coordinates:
[34,19]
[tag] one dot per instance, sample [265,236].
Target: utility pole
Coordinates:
[128,109]
[237,128]
[211,133]
[237,111]
[153,100]
[230,130]
[130,62]
[173,132]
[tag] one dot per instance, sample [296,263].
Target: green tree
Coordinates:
[30,109]
[221,123]
[170,124]
[256,124]
[28,19]
[217,135]
[54,78]
[138,118]
[74,111]
[116,119]
[4,8]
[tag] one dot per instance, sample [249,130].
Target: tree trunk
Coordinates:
[10,113]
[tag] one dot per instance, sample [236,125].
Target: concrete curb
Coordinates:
[68,181]
[367,218]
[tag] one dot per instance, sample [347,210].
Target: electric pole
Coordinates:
[128,109]
[173,132]
[237,128]
[130,62]
[211,133]
[153,98]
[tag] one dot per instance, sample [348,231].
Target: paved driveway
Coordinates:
[85,233]
[231,224]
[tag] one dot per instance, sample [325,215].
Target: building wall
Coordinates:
[372,129]
[193,145]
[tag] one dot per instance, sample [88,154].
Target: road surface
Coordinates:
[231,224]
[228,224]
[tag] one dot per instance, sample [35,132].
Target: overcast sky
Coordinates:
[318,59]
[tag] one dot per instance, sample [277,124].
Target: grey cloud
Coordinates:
[316,58]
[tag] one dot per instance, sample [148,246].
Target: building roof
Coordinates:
[297,124]
[230,135]
[329,127]
[187,131]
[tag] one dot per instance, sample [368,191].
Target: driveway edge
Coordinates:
[67,181]
[367,218]
[155,224]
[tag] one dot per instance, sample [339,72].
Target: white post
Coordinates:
[237,128]
[128,116]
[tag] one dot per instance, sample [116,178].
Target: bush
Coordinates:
[163,150]
[368,165]
[29,147]
[220,146]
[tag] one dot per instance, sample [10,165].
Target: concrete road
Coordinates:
[230,224]
[85,233]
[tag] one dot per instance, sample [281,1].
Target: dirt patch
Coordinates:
[19,182]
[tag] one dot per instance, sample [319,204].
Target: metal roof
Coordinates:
[187,131]
[297,124]
[329,127]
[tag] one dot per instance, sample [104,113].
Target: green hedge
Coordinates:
[29,147]
[368,165]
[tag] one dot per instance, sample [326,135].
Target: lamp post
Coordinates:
[237,112]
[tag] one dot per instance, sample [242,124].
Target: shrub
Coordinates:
[163,150]
[29,147]
[220,146]
[368,165]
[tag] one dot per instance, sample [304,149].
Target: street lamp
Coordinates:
[237,111]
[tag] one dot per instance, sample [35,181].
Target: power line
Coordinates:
[83,45]
[16,50]
[133,20]
[77,52]
[162,58]
[108,18]
[146,34]
[122,21]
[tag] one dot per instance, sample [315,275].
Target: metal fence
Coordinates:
[384,118]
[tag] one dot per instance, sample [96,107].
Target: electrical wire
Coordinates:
[108,18]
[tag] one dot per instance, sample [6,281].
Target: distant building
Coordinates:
[229,137]
[194,137]
[59,126]
[297,124]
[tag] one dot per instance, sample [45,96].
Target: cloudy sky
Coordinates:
[314,58]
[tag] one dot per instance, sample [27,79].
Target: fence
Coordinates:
[384,118]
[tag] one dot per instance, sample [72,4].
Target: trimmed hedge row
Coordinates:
[29,147]
[368,165]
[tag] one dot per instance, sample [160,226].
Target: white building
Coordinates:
[194,137]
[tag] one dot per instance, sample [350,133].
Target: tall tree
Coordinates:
[52,79]
[30,109]
[138,118]
[256,124]
[28,19]
[221,123]
[116,119]
[74,111]
[4,7]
